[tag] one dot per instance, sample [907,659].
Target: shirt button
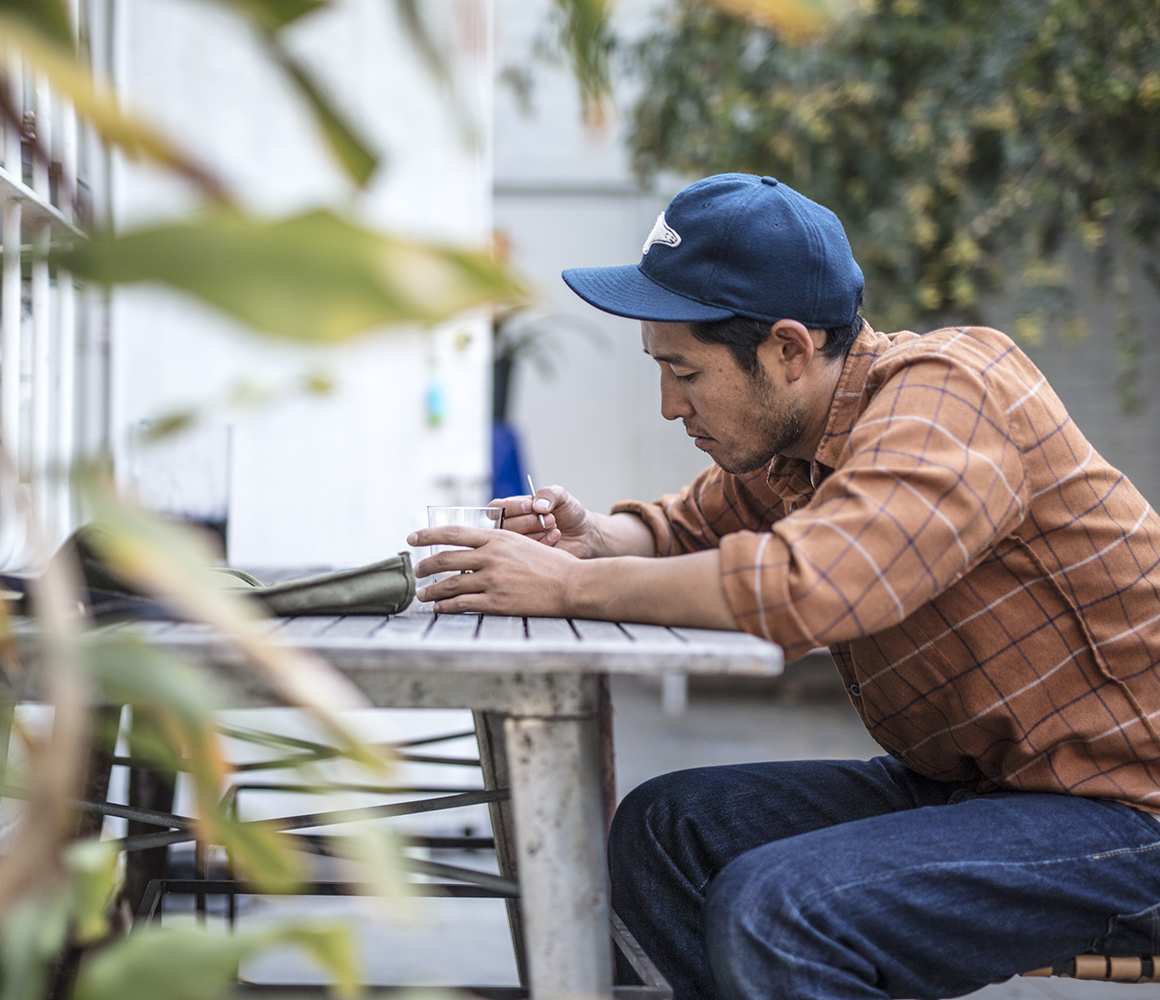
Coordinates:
[856,690]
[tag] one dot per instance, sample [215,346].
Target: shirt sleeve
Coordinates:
[713,505]
[930,478]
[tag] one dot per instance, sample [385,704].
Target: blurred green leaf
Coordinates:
[372,851]
[188,964]
[177,964]
[169,424]
[96,102]
[94,882]
[172,705]
[152,741]
[312,277]
[273,14]
[586,36]
[347,146]
[318,382]
[48,18]
[171,700]
[31,936]
[797,20]
[262,853]
[172,562]
[269,16]
[9,651]
[333,948]
[131,672]
[411,17]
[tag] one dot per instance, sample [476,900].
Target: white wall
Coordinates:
[565,197]
[338,480]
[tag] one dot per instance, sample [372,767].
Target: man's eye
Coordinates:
[685,378]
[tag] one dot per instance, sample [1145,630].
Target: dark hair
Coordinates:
[744,335]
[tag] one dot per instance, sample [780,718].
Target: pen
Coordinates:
[532,487]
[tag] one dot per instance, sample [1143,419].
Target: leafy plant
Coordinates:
[968,147]
[316,277]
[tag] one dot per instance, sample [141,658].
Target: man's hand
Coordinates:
[513,574]
[510,574]
[555,517]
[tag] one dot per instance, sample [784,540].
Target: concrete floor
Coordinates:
[466,941]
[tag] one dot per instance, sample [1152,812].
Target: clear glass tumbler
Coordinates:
[468,517]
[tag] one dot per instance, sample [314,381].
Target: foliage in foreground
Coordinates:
[317,277]
[968,147]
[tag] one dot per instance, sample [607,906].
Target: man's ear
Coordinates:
[789,349]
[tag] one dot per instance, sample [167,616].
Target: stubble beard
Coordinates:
[779,426]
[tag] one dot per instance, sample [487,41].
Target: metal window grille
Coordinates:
[44,199]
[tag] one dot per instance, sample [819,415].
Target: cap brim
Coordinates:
[626,291]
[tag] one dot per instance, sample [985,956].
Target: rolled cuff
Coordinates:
[755,572]
[654,518]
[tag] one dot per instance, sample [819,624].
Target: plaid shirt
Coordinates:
[986,582]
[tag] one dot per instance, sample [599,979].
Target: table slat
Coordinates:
[738,640]
[418,641]
[501,627]
[305,626]
[554,630]
[147,630]
[453,628]
[655,634]
[356,626]
[594,631]
[268,625]
[408,626]
[186,631]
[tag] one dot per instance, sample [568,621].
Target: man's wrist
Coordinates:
[597,537]
[578,590]
[621,534]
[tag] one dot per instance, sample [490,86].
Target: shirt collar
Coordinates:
[850,399]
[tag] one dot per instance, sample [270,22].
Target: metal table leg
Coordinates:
[554,764]
[489,735]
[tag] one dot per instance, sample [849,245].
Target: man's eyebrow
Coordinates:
[672,359]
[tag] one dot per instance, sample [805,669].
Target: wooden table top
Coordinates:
[418,639]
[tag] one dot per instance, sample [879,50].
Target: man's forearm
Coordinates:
[677,590]
[621,535]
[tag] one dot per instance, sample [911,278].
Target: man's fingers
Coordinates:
[529,524]
[454,586]
[464,604]
[452,561]
[450,534]
[548,498]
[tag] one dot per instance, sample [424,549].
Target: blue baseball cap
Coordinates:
[734,245]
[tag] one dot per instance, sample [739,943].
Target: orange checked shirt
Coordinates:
[987,583]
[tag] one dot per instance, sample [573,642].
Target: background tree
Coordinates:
[970,148]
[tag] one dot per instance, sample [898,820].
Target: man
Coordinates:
[986,582]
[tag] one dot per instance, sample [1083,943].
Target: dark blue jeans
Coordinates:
[850,879]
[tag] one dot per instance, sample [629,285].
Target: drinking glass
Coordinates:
[467,517]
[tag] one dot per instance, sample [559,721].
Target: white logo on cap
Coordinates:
[662,232]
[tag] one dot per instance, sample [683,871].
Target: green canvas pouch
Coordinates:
[382,588]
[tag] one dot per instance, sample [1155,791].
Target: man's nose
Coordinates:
[674,403]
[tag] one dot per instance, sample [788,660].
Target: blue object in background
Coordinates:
[436,410]
[507,467]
